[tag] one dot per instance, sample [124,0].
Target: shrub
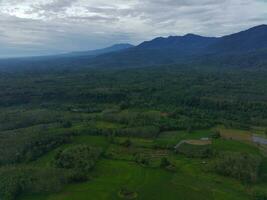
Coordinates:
[195,151]
[242,166]
[164,162]
[17,180]
[259,195]
[127,143]
[145,131]
[80,158]
[67,124]
[127,193]
[142,160]
[215,134]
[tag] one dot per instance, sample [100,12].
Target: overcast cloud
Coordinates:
[37,27]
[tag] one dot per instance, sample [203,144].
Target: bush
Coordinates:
[195,151]
[127,193]
[164,162]
[17,180]
[42,145]
[215,134]
[127,143]
[259,195]
[80,158]
[142,160]
[145,131]
[242,166]
[67,124]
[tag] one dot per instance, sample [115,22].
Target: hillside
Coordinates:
[246,49]
[112,133]
[113,48]
[190,48]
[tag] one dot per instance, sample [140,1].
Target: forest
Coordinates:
[112,133]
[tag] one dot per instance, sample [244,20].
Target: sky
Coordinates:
[41,27]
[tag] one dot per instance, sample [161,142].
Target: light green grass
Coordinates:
[95,141]
[154,184]
[171,138]
[189,181]
[138,142]
[235,146]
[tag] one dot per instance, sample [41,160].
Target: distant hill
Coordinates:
[253,39]
[114,48]
[58,62]
[251,43]
[189,43]
[250,40]
[244,49]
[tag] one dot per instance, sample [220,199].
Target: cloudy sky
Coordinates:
[39,27]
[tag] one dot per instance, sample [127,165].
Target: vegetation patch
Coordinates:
[259,194]
[242,166]
[198,142]
[80,158]
[17,180]
[126,193]
[233,134]
[195,151]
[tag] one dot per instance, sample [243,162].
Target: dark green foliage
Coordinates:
[42,145]
[215,134]
[42,111]
[23,117]
[195,151]
[17,180]
[183,96]
[25,145]
[126,143]
[244,167]
[164,162]
[80,158]
[127,193]
[145,131]
[67,124]
[259,195]
[189,129]
[142,159]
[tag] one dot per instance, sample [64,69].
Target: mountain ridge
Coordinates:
[245,48]
[184,49]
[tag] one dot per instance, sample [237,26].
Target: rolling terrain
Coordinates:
[182,117]
[246,49]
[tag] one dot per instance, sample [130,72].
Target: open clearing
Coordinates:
[198,142]
[187,182]
[154,184]
[233,134]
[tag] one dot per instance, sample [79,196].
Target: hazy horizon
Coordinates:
[47,27]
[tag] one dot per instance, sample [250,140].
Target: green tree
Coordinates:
[164,162]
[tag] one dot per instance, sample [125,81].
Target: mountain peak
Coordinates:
[121,45]
[191,35]
[262,26]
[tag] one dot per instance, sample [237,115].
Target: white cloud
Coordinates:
[51,26]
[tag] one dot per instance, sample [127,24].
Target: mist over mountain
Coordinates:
[113,48]
[245,49]
[190,47]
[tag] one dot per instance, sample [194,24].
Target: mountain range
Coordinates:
[113,48]
[250,45]
[246,48]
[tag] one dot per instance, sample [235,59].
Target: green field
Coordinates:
[190,180]
[111,175]
[161,132]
